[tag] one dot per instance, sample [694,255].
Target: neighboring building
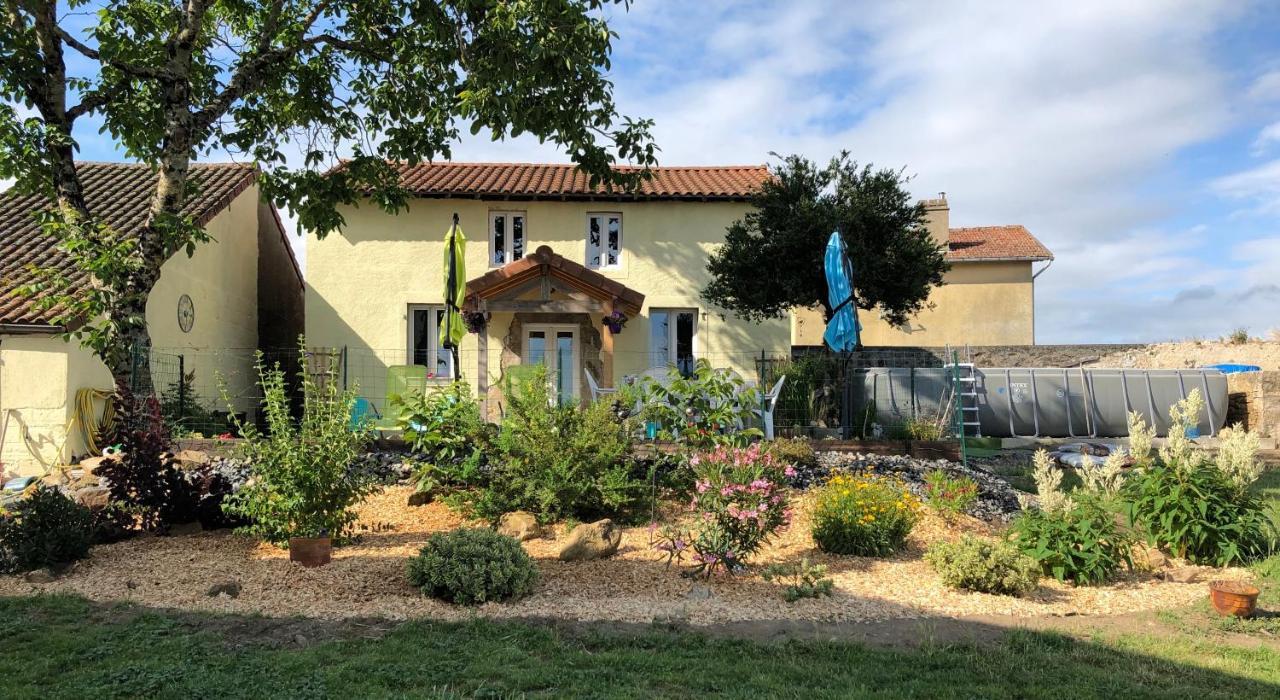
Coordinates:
[987,298]
[240,291]
[548,257]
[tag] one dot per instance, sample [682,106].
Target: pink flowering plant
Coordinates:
[739,500]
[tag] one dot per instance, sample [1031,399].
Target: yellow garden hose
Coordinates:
[91,428]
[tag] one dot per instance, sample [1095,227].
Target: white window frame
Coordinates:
[550,330]
[604,216]
[433,354]
[508,239]
[671,313]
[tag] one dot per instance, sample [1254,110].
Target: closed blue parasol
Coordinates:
[843,328]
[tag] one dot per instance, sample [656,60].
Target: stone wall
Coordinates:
[1254,402]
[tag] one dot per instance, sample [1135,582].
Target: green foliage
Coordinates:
[985,566]
[800,578]
[1239,336]
[1079,542]
[472,566]
[739,501]
[702,410]
[556,461]
[368,83]
[45,529]
[795,452]
[185,412]
[786,234]
[1194,510]
[918,428]
[811,394]
[446,431]
[863,514]
[304,481]
[950,495]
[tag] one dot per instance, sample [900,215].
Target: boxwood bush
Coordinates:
[44,529]
[982,565]
[472,566]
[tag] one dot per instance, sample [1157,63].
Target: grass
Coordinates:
[56,646]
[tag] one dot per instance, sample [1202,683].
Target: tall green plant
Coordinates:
[446,431]
[556,461]
[304,481]
[705,409]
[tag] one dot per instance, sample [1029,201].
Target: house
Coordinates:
[987,297]
[238,292]
[548,257]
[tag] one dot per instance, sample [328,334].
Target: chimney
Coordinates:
[938,218]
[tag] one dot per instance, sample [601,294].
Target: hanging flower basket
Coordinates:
[476,321]
[615,322]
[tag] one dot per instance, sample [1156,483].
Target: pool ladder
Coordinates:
[964,391]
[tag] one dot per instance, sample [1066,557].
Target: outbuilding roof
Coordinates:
[119,193]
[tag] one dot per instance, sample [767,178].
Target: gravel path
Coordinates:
[368,579]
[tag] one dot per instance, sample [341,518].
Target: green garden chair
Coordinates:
[402,380]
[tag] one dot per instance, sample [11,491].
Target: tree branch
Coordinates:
[132,69]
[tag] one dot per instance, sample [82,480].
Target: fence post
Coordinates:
[133,369]
[182,388]
[344,368]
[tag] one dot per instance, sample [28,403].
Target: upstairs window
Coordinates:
[604,241]
[672,337]
[424,341]
[506,237]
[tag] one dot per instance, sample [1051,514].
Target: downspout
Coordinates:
[1033,298]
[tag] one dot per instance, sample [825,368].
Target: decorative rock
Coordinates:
[231,589]
[39,576]
[592,541]
[191,458]
[89,464]
[420,498]
[997,500]
[1183,574]
[521,525]
[93,497]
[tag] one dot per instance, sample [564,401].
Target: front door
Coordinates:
[556,347]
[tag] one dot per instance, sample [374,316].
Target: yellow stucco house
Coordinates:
[239,292]
[549,257]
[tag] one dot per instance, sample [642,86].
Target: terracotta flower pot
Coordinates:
[310,551]
[1233,598]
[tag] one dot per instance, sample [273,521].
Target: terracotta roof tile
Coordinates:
[514,274]
[549,181]
[119,193]
[994,243]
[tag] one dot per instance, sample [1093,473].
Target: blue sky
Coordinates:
[1140,140]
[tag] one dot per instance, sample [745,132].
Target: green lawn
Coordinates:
[67,647]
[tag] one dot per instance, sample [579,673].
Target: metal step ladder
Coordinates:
[964,383]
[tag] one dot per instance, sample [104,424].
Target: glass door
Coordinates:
[557,348]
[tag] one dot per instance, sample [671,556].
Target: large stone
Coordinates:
[421,498]
[520,525]
[188,459]
[591,541]
[93,497]
[1183,574]
[231,589]
[89,464]
[39,576]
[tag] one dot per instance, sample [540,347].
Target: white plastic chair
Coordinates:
[769,402]
[596,390]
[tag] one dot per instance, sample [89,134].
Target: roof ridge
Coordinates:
[520,164]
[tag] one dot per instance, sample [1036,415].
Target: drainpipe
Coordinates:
[1033,298]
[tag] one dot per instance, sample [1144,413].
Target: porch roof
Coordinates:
[512,277]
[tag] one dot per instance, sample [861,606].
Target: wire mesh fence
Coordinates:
[879,393]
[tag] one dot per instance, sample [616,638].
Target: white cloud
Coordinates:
[1266,88]
[1269,136]
[1258,186]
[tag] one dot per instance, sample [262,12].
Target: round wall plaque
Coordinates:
[186,313]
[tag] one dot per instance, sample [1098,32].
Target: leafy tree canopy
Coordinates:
[772,258]
[293,85]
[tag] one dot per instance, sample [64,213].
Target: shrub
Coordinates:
[863,514]
[701,410]
[1239,336]
[185,413]
[472,566]
[556,461]
[797,452]
[444,427]
[1197,509]
[45,529]
[304,479]
[147,488]
[919,428]
[985,566]
[801,579]
[811,395]
[950,495]
[1077,542]
[738,502]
